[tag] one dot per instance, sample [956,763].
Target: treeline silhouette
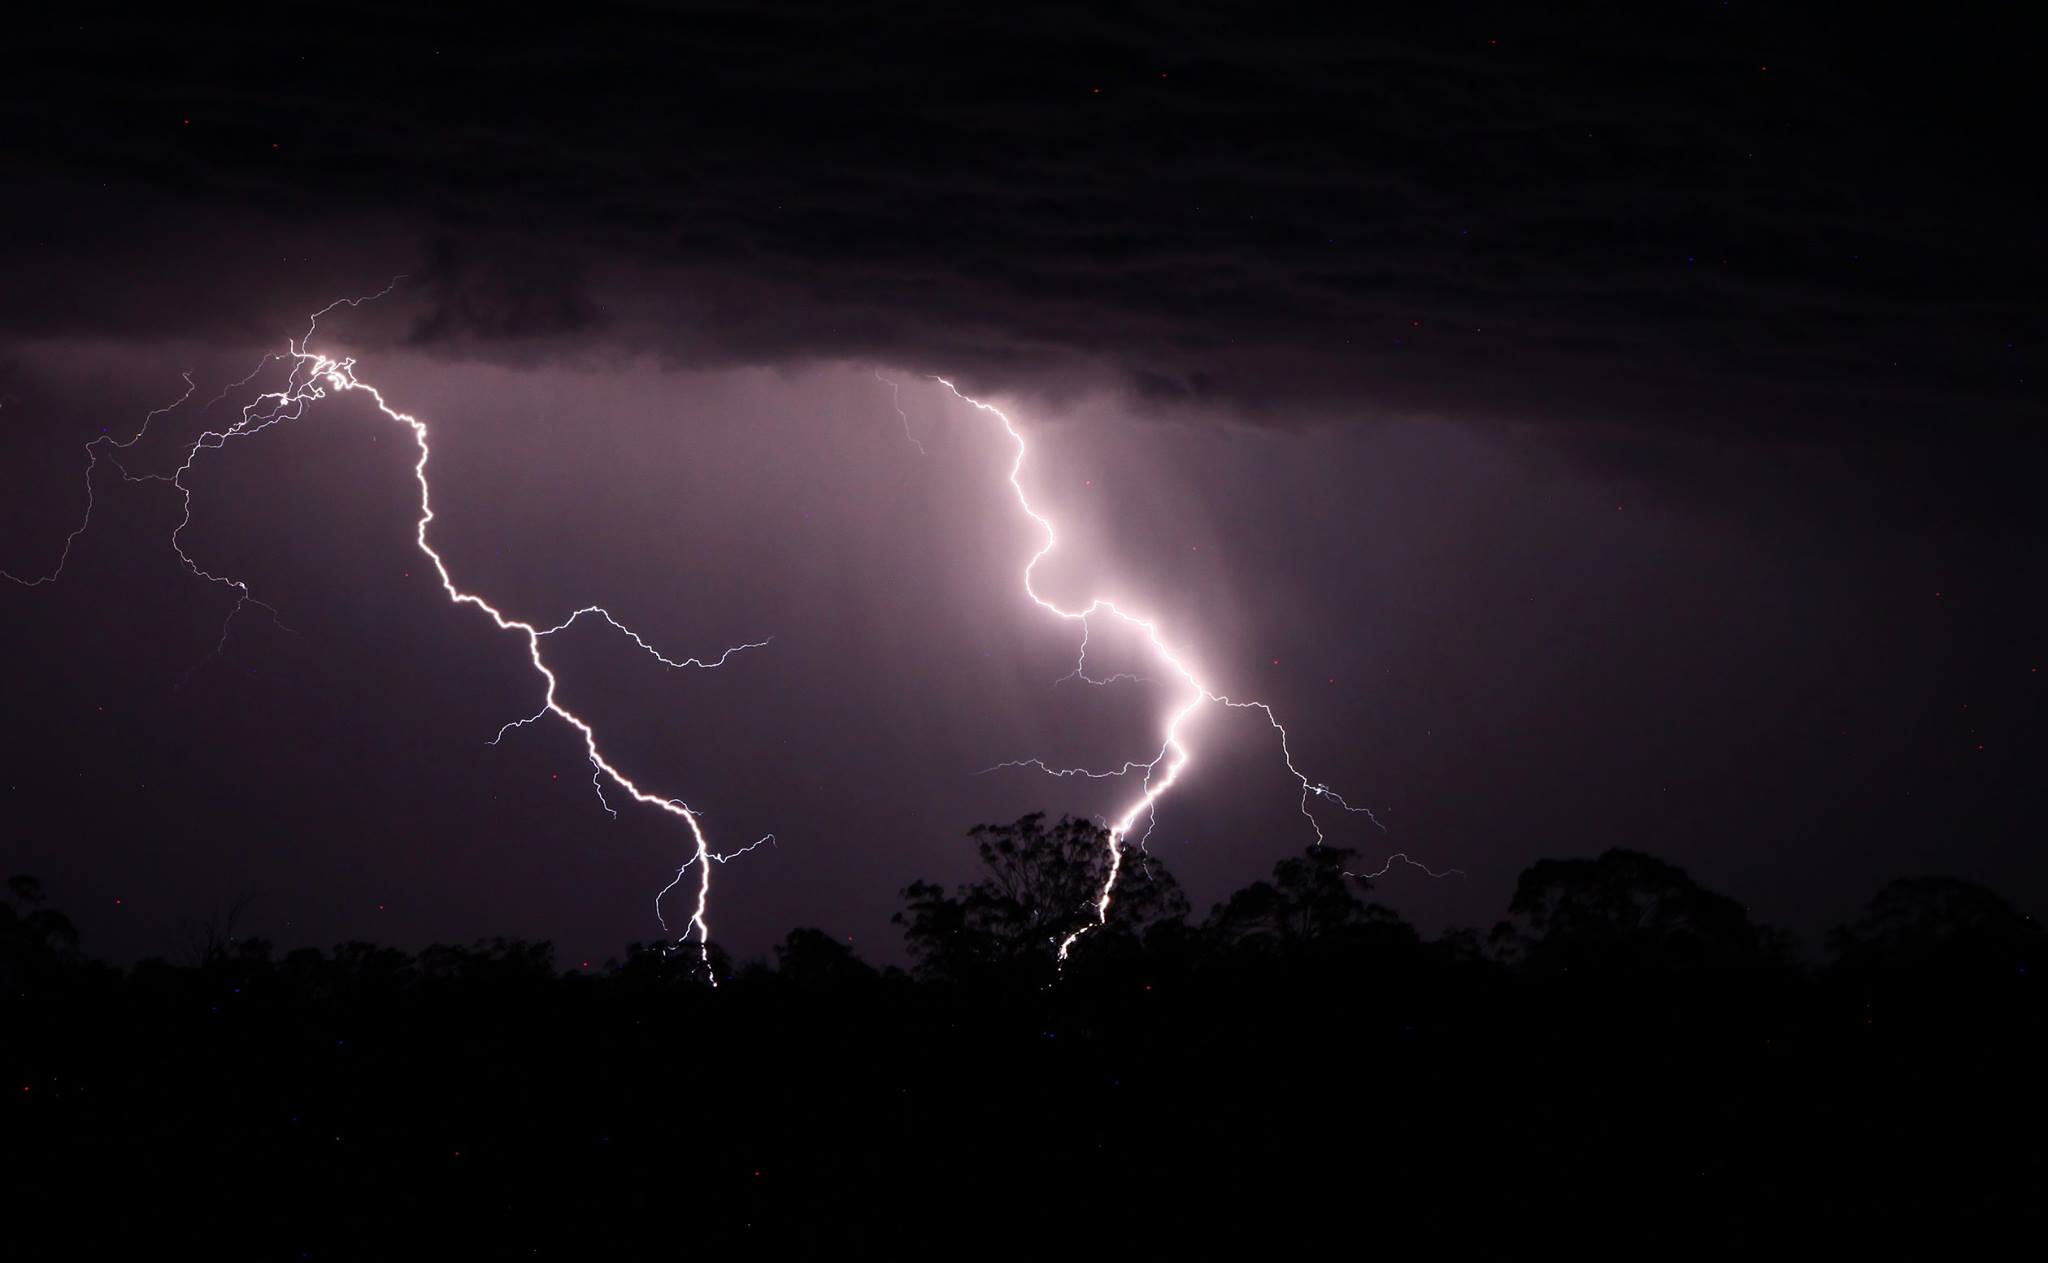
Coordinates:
[1626,1063]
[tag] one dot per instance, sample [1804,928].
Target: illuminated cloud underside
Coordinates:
[314,376]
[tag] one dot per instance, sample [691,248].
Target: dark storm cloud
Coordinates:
[501,296]
[1636,224]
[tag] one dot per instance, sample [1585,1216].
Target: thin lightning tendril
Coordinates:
[92,463]
[896,400]
[1404,858]
[212,438]
[1080,671]
[313,376]
[1163,770]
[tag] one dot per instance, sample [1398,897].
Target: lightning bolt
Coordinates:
[1158,774]
[314,376]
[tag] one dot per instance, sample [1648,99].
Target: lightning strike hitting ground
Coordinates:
[313,376]
[1162,770]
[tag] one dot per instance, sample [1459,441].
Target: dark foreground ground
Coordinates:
[1625,1065]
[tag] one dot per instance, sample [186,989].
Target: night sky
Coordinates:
[1620,428]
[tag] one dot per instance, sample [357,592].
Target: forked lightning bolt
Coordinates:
[1158,774]
[313,376]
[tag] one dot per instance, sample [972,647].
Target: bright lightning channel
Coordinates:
[313,376]
[1163,770]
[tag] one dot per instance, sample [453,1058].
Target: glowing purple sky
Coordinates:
[1581,434]
[1504,655]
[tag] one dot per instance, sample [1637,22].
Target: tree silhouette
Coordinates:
[33,939]
[1936,951]
[1301,1044]
[1938,922]
[1042,886]
[1624,912]
[813,958]
[1311,905]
